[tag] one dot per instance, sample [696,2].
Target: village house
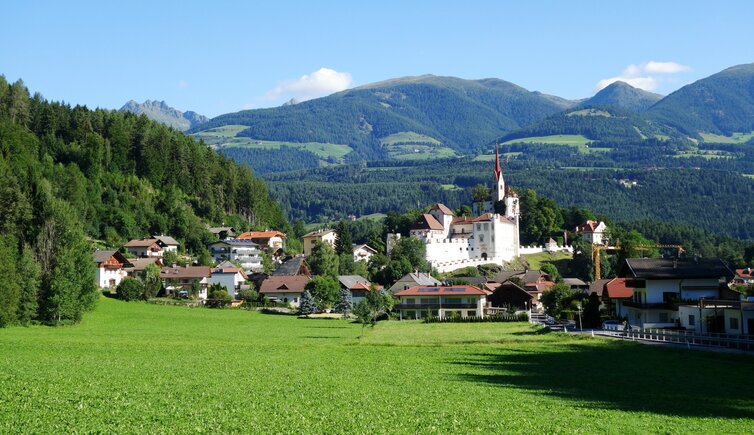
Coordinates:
[510,294]
[272,240]
[659,286]
[145,247]
[230,277]
[441,301]
[171,245]
[363,253]
[324,235]
[245,252]
[139,266]
[284,289]
[593,232]
[357,285]
[293,266]
[576,285]
[743,277]
[728,316]
[222,233]
[177,279]
[111,268]
[413,279]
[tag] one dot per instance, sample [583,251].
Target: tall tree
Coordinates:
[28,269]
[10,291]
[323,260]
[343,239]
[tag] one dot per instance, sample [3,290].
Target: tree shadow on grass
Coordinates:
[626,376]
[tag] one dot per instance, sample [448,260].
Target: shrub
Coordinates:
[218,296]
[523,317]
[130,289]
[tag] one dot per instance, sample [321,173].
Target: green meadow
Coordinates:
[139,368]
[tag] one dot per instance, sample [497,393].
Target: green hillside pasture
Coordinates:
[138,368]
[220,132]
[705,154]
[491,157]
[409,145]
[734,138]
[226,137]
[577,140]
[419,152]
[409,137]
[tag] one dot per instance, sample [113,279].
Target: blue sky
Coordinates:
[221,56]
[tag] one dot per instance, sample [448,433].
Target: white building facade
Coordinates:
[454,243]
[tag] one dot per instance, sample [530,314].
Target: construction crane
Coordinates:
[596,249]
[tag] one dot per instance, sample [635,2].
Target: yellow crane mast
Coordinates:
[596,249]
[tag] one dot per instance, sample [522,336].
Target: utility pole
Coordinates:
[580,327]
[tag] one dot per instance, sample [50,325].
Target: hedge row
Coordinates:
[522,317]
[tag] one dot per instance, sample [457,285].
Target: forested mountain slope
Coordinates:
[722,103]
[72,179]
[622,95]
[458,113]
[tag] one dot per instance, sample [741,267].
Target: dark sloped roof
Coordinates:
[668,268]
[167,240]
[427,222]
[294,266]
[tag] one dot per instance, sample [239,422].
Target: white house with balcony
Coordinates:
[245,252]
[324,235]
[441,301]
[659,286]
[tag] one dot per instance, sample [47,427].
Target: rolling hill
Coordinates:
[722,103]
[621,94]
[454,113]
[160,111]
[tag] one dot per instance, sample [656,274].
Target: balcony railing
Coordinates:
[425,306]
[652,306]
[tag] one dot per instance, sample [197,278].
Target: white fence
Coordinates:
[733,341]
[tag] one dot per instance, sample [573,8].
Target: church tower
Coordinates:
[498,192]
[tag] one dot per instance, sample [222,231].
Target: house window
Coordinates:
[410,301]
[410,314]
[733,323]
[663,317]
[471,313]
[481,238]
[479,227]
[692,320]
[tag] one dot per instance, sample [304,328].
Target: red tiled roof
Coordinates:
[745,273]
[456,290]
[359,286]
[284,284]
[253,235]
[462,220]
[427,222]
[616,289]
[587,227]
[443,209]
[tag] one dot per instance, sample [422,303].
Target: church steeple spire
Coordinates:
[498,172]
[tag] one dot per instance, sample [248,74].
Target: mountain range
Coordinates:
[431,116]
[160,111]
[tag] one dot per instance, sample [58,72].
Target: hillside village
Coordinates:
[254,269]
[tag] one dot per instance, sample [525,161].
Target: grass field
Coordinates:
[409,145]
[409,137]
[705,154]
[577,140]
[138,368]
[734,138]
[226,137]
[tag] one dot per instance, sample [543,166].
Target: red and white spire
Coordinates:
[498,172]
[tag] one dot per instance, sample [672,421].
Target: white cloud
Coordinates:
[648,75]
[322,82]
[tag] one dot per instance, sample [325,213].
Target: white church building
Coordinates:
[457,242]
